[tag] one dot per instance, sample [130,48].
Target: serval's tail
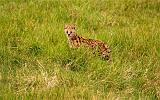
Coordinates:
[106,52]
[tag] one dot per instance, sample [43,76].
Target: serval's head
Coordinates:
[69,30]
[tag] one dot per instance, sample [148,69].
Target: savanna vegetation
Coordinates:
[37,63]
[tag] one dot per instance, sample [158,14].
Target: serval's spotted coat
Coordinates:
[76,41]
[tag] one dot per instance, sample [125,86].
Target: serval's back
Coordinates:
[76,41]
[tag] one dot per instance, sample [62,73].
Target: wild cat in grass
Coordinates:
[75,41]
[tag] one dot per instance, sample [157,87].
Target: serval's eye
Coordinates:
[71,32]
[67,31]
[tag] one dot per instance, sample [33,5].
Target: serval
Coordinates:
[76,41]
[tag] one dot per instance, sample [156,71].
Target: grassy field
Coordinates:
[37,63]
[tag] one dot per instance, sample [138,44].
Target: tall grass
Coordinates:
[36,62]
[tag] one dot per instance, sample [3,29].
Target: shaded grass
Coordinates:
[34,50]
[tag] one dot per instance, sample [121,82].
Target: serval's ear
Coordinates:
[73,26]
[65,26]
